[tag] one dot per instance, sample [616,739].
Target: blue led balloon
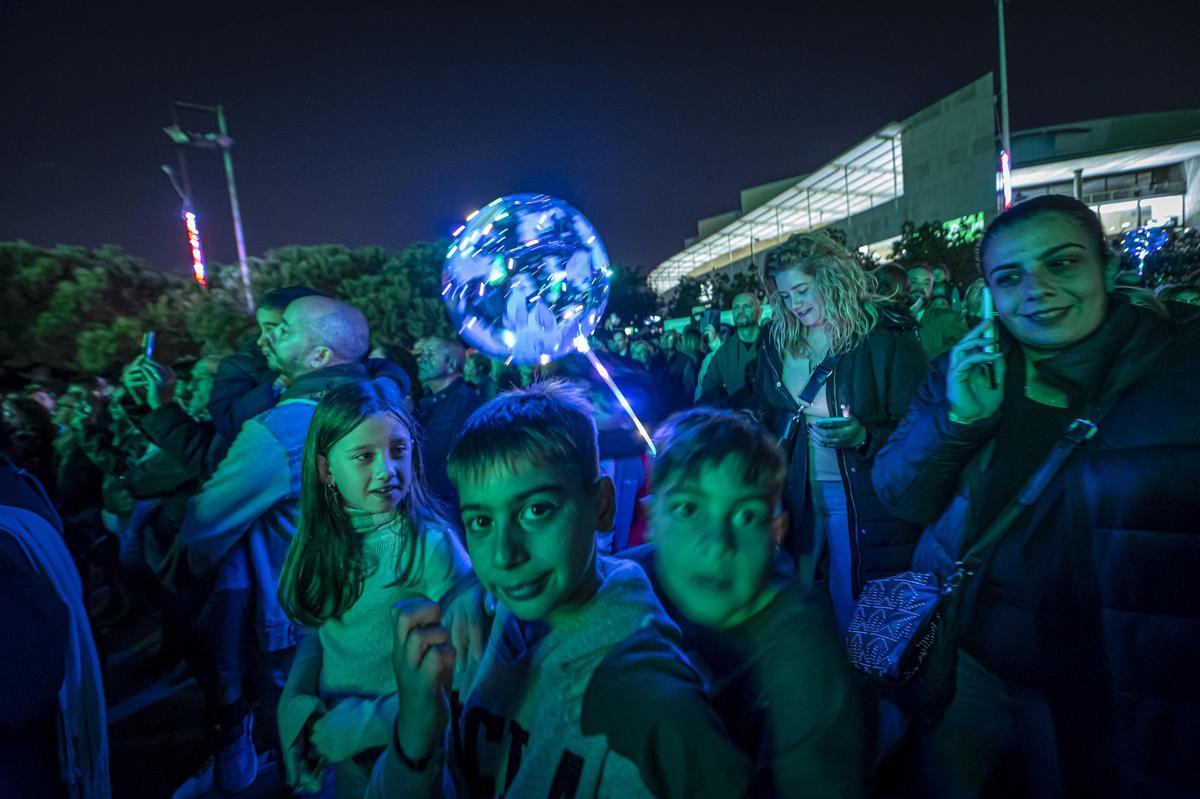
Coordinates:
[526,276]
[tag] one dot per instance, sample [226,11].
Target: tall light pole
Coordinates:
[1005,142]
[219,140]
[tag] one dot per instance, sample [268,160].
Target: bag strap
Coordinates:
[817,380]
[1076,433]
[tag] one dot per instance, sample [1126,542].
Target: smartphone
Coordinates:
[987,309]
[148,344]
[711,316]
[833,422]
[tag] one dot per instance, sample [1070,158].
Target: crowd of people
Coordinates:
[415,571]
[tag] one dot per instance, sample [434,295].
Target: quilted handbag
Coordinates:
[894,626]
[898,620]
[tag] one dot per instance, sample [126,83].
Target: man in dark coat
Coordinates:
[1076,671]
[447,402]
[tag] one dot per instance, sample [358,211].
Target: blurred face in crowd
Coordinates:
[531,533]
[640,352]
[920,283]
[292,348]
[697,313]
[745,310]
[939,275]
[939,302]
[372,466]
[67,404]
[1048,281]
[715,533]
[433,361]
[801,296]
[669,341]
[268,319]
[620,341]
[44,398]
[200,388]
[973,303]
[477,369]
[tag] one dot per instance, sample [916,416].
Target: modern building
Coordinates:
[940,164]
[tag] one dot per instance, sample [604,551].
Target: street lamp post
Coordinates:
[219,140]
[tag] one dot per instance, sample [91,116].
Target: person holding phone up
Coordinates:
[836,373]
[1075,670]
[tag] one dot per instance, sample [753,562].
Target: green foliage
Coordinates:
[725,286]
[931,245]
[631,299]
[687,296]
[102,348]
[76,308]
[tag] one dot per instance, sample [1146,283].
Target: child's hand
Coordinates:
[469,624]
[304,767]
[423,663]
[339,734]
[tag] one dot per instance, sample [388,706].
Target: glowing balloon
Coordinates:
[526,276]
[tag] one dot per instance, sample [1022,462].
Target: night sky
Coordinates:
[372,127]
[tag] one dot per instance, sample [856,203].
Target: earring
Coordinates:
[331,494]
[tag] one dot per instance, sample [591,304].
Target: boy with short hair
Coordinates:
[532,498]
[776,667]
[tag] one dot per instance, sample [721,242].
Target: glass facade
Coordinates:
[1125,200]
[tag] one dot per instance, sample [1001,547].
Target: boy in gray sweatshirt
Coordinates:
[526,469]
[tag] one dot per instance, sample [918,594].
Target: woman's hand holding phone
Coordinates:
[975,379]
[838,432]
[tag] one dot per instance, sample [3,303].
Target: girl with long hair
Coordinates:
[859,357]
[369,535]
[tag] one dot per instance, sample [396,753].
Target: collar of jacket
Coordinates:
[322,380]
[1127,337]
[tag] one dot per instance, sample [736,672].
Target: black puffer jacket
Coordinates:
[1122,680]
[877,379]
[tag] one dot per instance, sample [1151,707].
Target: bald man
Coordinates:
[246,514]
[726,381]
[444,408]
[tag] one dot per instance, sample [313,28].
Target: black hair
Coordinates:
[280,299]
[703,437]
[1047,204]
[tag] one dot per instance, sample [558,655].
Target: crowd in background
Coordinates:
[867,405]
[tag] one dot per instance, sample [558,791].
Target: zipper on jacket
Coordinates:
[851,509]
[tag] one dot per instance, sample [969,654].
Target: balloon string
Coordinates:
[604,375]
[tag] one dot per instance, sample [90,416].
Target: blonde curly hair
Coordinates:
[848,292]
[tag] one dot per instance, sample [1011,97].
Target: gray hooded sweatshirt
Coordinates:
[512,736]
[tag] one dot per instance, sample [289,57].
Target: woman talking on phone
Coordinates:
[1079,632]
[837,370]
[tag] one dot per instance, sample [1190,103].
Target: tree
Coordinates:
[686,297]
[630,297]
[930,245]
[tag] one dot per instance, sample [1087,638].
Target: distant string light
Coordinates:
[193,235]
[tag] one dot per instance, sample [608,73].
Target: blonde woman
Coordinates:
[827,316]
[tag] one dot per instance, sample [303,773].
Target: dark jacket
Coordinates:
[732,367]
[195,445]
[1121,680]
[244,387]
[35,622]
[780,683]
[442,416]
[877,379]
